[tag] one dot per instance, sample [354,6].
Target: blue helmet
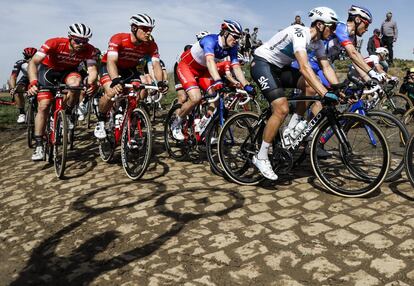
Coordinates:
[231,26]
[364,13]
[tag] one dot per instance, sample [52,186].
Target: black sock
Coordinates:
[101,116]
[21,110]
[39,140]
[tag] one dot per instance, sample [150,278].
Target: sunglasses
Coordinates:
[331,26]
[145,29]
[236,37]
[80,41]
[365,22]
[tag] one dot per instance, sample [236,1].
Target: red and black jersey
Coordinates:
[128,52]
[59,56]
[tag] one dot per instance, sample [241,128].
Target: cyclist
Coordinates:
[200,62]
[21,86]
[374,61]
[272,71]
[119,63]
[181,94]
[57,62]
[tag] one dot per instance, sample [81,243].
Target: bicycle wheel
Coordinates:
[237,143]
[74,119]
[252,106]
[398,105]
[397,136]
[89,113]
[356,167]
[178,150]
[212,133]
[30,116]
[108,144]
[408,118]
[409,161]
[136,144]
[60,145]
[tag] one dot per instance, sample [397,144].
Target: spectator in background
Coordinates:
[247,44]
[374,42]
[408,85]
[389,33]
[298,21]
[254,38]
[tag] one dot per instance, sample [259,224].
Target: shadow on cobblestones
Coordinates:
[83,264]
[395,187]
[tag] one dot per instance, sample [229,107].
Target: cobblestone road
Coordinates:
[181,225]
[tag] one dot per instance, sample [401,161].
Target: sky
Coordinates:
[30,23]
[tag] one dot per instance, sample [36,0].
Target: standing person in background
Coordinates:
[247,45]
[298,21]
[374,42]
[389,33]
[254,38]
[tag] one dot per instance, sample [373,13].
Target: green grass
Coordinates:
[8,113]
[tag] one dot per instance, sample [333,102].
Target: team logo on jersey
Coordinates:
[263,83]
[298,32]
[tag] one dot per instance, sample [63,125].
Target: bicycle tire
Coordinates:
[338,182]
[213,131]
[142,134]
[397,164]
[241,170]
[60,146]
[408,117]
[107,145]
[30,116]
[71,132]
[387,104]
[89,113]
[409,160]
[178,150]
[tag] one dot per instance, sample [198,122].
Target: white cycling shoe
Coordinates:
[100,132]
[177,133]
[82,111]
[38,153]
[265,168]
[21,118]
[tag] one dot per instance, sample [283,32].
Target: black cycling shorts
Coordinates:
[126,74]
[48,76]
[271,79]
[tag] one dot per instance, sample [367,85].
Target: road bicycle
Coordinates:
[354,168]
[58,136]
[130,127]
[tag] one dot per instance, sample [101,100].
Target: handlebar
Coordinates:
[61,87]
[134,87]
[248,97]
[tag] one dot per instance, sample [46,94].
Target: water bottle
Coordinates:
[197,125]
[286,136]
[299,128]
[204,122]
[118,120]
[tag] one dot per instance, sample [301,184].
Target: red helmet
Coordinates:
[29,52]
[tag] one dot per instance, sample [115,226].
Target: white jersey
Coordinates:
[280,49]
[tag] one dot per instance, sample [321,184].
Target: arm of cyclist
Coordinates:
[240,77]
[12,84]
[308,73]
[212,67]
[328,71]
[158,74]
[92,78]
[358,61]
[32,73]
[111,65]
[232,80]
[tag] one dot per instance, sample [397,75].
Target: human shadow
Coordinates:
[82,266]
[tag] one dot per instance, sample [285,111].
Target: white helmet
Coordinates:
[80,30]
[142,20]
[324,14]
[360,11]
[382,51]
[202,34]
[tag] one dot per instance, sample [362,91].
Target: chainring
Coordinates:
[282,161]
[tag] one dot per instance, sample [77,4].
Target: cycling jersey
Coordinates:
[280,49]
[59,57]
[20,66]
[209,45]
[223,67]
[372,60]
[337,42]
[129,53]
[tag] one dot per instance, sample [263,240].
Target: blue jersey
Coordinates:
[212,45]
